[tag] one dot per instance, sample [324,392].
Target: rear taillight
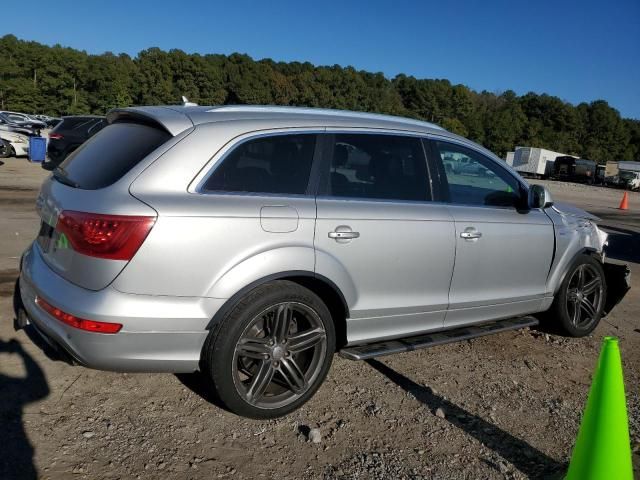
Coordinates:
[75,322]
[116,237]
[55,136]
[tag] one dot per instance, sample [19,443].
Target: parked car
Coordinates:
[69,134]
[50,121]
[24,128]
[24,119]
[252,243]
[17,144]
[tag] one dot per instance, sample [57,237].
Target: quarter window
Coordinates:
[385,167]
[475,180]
[273,164]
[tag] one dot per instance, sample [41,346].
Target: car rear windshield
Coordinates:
[71,123]
[109,155]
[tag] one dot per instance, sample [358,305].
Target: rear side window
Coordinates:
[110,154]
[273,164]
[379,167]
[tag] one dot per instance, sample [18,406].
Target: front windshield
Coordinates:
[627,175]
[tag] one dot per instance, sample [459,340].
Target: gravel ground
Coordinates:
[505,406]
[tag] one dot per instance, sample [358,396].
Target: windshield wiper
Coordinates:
[60,175]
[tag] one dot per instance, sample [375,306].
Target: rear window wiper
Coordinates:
[61,175]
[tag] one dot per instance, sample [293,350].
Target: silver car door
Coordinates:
[380,238]
[503,250]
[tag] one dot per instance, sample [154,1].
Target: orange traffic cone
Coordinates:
[624,204]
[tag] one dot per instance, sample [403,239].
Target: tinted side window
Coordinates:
[273,164]
[379,167]
[476,180]
[109,155]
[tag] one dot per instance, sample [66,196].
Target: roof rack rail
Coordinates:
[321,111]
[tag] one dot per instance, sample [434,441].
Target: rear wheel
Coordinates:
[580,300]
[272,352]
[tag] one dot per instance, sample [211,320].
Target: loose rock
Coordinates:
[315,436]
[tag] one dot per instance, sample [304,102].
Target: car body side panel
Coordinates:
[503,273]
[400,266]
[508,263]
[222,248]
[200,238]
[573,235]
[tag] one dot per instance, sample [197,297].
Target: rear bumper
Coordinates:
[159,334]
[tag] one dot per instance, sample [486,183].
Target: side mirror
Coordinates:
[539,197]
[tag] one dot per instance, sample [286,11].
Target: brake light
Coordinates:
[116,237]
[55,136]
[75,322]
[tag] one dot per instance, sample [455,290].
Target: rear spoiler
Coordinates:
[168,119]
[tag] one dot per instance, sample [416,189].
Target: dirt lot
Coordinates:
[505,406]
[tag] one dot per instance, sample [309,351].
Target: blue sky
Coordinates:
[577,50]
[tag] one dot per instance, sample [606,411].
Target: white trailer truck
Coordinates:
[509,158]
[534,162]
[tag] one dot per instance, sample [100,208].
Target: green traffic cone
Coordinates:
[602,450]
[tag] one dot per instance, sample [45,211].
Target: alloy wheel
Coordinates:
[584,296]
[279,355]
[5,149]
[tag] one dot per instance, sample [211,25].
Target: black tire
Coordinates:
[259,312]
[562,311]
[5,149]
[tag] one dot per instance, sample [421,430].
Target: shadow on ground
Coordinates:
[16,460]
[200,384]
[527,459]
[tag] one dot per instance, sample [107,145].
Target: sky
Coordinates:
[577,50]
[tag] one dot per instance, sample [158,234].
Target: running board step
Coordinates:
[372,350]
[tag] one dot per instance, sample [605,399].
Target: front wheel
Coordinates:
[5,149]
[581,298]
[272,352]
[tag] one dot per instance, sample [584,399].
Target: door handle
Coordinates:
[343,235]
[470,235]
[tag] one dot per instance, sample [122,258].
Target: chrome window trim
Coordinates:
[380,200]
[196,185]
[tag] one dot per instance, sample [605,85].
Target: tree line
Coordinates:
[56,80]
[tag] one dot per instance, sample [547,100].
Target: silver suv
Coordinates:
[251,243]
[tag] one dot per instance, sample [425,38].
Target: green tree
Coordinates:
[56,80]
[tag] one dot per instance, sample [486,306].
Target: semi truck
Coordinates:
[535,162]
[574,169]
